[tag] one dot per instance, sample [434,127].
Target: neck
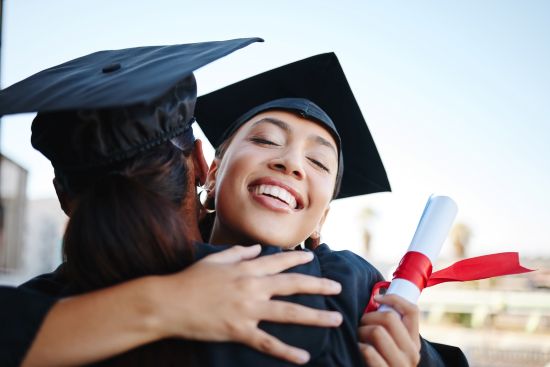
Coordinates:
[220,235]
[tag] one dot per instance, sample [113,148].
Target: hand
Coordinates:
[390,338]
[224,296]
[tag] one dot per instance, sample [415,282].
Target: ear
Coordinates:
[201,167]
[62,196]
[212,174]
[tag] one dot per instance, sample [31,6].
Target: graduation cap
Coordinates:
[107,106]
[317,89]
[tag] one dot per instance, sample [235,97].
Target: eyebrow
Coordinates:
[284,126]
[322,141]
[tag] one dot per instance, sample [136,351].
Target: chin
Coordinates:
[276,240]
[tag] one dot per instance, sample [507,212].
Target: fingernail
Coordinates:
[335,286]
[378,297]
[336,318]
[302,356]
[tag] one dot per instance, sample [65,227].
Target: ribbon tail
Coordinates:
[481,267]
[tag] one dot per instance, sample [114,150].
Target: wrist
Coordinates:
[148,307]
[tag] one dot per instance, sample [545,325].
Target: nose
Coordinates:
[288,164]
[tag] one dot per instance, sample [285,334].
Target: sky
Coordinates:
[455,94]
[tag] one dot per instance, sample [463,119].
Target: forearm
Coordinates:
[97,325]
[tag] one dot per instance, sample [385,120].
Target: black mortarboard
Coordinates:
[104,107]
[316,88]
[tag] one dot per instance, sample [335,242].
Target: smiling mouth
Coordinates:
[276,192]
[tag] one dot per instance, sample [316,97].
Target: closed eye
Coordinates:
[319,164]
[263,141]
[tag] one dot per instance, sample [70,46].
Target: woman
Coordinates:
[283,138]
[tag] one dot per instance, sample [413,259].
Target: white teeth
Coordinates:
[277,192]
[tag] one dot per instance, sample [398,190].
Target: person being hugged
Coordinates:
[282,138]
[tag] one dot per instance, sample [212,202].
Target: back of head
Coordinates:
[128,223]
[125,180]
[124,170]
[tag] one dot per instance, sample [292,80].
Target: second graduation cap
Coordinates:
[105,107]
[113,78]
[318,79]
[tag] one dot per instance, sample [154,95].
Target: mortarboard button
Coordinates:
[111,67]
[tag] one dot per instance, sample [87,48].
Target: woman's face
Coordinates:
[274,182]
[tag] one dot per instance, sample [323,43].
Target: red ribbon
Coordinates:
[417,268]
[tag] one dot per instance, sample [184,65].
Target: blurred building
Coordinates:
[31,231]
[13,185]
[45,225]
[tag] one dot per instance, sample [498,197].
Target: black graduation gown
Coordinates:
[328,347]
[21,314]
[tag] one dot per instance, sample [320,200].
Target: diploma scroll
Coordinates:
[413,271]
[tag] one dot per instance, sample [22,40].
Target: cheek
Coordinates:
[231,182]
[230,170]
[322,189]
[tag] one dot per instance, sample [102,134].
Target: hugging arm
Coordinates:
[223,297]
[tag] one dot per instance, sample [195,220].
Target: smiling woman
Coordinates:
[277,168]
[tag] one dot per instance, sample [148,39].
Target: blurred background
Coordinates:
[456,97]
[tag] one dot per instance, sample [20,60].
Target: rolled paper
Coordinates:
[415,267]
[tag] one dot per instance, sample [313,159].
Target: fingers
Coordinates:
[390,323]
[265,265]
[379,338]
[276,263]
[386,333]
[292,313]
[399,304]
[407,310]
[371,356]
[235,254]
[263,342]
[287,284]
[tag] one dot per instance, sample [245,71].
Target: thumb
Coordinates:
[235,254]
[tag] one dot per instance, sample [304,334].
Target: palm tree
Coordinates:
[460,238]
[365,216]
